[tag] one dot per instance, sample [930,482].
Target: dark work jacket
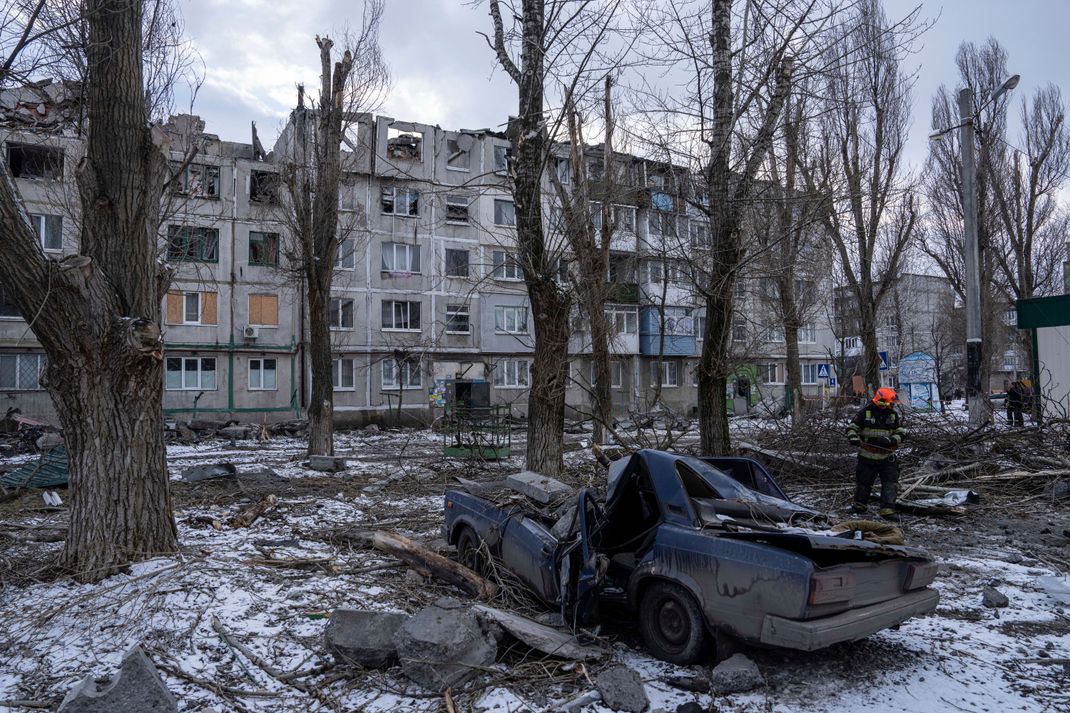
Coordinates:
[873,421]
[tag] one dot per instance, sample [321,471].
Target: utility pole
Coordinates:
[974,396]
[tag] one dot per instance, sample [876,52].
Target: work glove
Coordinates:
[853,440]
[882,441]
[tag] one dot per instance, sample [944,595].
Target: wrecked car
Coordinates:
[698,550]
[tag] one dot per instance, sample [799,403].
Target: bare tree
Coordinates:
[311,174]
[97,313]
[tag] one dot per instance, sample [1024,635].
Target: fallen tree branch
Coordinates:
[248,516]
[430,563]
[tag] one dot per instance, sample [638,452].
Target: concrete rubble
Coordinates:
[364,637]
[327,464]
[444,645]
[538,636]
[538,487]
[135,688]
[993,598]
[622,689]
[736,674]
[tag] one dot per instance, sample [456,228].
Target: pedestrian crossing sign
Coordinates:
[822,371]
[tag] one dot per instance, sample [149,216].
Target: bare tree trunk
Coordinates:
[321,403]
[549,374]
[98,313]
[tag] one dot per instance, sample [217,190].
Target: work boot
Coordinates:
[889,514]
[858,508]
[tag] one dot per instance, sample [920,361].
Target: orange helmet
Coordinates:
[885,397]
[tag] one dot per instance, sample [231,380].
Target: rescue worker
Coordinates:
[1015,403]
[877,431]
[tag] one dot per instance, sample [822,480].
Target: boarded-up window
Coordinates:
[191,308]
[264,310]
[208,308]
[174,310]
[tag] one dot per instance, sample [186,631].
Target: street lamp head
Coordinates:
[1008,85]
[937,135]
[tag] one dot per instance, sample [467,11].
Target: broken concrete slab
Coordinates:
[135,688]
[538,487]
[327,464]
[736,674]
[209,471]
[364,637]
[538,636]
[234,432]
[444,645]
[994,599]
[622,689]
[48,441]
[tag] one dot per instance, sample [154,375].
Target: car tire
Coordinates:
[671,624]
[470,551]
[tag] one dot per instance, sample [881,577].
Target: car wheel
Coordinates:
[671,623]
[470,551]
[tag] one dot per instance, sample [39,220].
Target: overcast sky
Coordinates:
[256,51]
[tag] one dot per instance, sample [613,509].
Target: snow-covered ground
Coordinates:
[270,586]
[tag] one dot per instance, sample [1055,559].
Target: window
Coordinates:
[511,320]
[400,201]
[666,373]
[700,233]
[347,255]
[264,310]
[809,373]
[663,224]
[190,244]
[342,374]
[739,330]
[341,313]
[263,248]
[458,153]
[506,266]
[404,144]
[402,374]
[191,307]
[348,193]
[401,315]
[401,258]
[197,181]
[457,208]
[49,229]
[7,307]
[563,166]
[502,154]
[852,343]
[769,289]
[700,327]
[263,375]
[504,213]
[595,170]
[511,374]
[624,218]
[595,209]
[190,374]
[456,263]
[661,202]
[264,187]
[654,271]
[768,373]
[616,374]
[678,321]
[561,274]
[694,373]
[773,333]
[457,319]
[30,161]
[808,333]
[623,321]
[21,371]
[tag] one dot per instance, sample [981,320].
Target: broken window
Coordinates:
[401,315]
[342,371]
[400,201]
[191,307]
[341,311]
[457,319]
[190,374]
[264,310]
[264,187]
[404,144]
[457,208]
[456,263]
[192,244]
[49,229]
[504,213]
[595,170]
[458,153]
[31,161]
[21,371]
[348,196]
[502,155]
[402,374]
[263,248]
[197,181]
[506,266]
[7,306]
[401,258]
[263,375]
[347,254]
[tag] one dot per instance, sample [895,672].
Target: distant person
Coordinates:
[877,431]
[1016,396]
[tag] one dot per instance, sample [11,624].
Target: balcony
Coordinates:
[624,293]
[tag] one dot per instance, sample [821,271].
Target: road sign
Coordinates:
[884,361]
[822,371]
[832,381]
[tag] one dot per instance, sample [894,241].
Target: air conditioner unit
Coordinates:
[252,332]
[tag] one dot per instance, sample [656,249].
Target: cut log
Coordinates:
[249,515]
[430,563]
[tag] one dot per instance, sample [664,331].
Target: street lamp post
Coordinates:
[975,401]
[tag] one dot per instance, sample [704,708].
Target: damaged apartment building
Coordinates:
[427,286]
